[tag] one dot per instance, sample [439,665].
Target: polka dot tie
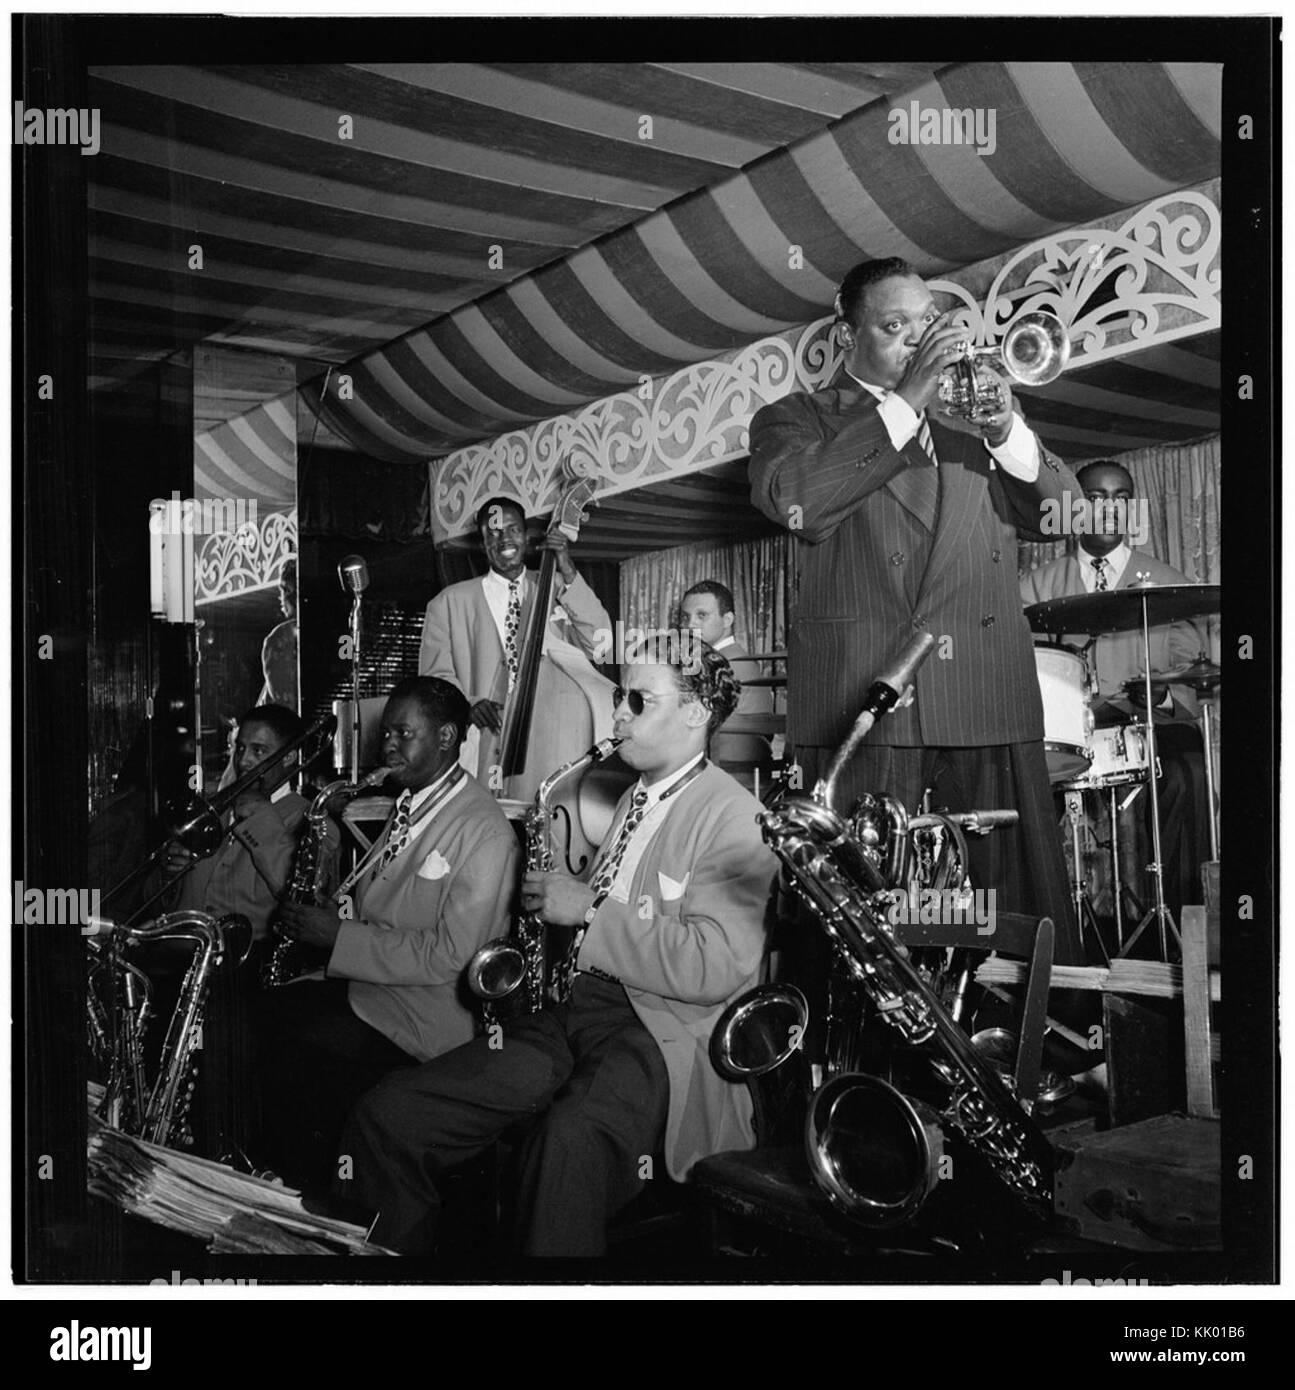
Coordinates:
[398,836]
[1099,569]
[512,625]
[603,879]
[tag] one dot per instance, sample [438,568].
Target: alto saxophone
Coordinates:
[517,965]
[289,959]
[158,1113]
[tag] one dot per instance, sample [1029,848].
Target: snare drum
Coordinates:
[1119,757]
[1067,720]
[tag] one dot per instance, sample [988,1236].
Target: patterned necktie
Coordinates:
[512,624]
[924,438]
[398,836]
[604,877]
[1099,569]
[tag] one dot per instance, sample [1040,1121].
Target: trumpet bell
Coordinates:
[1036,349]
[496,970]
[874,1152]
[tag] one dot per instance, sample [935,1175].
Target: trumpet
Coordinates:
[1034,352]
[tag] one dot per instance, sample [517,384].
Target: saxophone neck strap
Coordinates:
[438,796]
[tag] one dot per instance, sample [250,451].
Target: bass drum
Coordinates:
[1067,718]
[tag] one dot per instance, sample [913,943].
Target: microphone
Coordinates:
[353,574]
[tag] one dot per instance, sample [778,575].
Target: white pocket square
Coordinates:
[434,866]
[670,889]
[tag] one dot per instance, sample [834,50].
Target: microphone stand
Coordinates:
[355,685]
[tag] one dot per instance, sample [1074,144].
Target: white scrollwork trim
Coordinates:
[1154,278]
[247,559]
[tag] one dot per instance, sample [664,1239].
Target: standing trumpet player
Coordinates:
[669,929]
[438,886]
[907,520]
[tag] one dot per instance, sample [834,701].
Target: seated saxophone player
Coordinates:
[669,928]
[437,886]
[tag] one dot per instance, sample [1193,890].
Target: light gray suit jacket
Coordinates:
[419,920]
[461,642]
[687,942]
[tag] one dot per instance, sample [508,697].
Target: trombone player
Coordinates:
[907,518]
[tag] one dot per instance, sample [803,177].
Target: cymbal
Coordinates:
[1200,675]
[1120,610]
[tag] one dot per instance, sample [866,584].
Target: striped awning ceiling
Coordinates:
[496,244]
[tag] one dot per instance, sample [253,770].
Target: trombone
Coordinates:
[196,821]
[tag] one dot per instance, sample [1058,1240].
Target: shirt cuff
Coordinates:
[899,418]
[1018,454]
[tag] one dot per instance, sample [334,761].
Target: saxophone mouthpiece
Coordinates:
[898,674]
[604,748]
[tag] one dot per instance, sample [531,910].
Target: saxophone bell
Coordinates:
[496,970]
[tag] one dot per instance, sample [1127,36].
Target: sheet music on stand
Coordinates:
[227,1210]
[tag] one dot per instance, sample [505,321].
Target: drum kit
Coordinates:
[1082,758]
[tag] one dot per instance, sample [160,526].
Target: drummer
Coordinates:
[1104,561]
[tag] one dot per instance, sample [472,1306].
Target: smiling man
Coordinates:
[473,631]
[437,885]
[669,928]
[906,520]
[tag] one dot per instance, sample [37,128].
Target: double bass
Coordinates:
[559,706]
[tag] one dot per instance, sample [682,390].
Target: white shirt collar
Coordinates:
[872,390]
[727,642]
[1116,563]
[494,580]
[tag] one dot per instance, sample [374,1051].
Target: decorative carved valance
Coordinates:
[1152,279]
[245,560]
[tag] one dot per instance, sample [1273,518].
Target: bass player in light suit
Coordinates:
[466,628]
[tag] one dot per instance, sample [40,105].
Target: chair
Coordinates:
[770,1186]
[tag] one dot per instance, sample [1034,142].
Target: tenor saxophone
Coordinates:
[289,959]
[516,967]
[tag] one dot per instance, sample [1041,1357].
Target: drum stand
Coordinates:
[1084,914]
[1158,911]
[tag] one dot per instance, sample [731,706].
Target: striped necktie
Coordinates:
[512,624]
[924,438]
[398,836]
[1100,567]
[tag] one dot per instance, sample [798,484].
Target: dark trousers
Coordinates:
[317,1059]
[589,1073]
[1184,813]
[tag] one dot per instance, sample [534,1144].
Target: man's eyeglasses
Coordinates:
[637,699]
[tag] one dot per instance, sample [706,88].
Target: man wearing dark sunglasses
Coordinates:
[669,929]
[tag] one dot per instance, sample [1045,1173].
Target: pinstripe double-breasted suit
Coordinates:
[893,546]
